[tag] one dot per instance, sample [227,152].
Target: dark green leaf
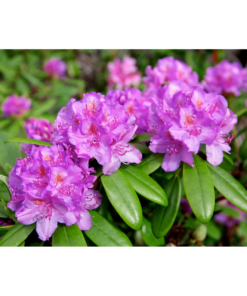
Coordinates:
[151,163]
[243,149]
[164,217]
[4,229]
[29,141]
[16,235]
[148,236]
[105,234]
[213,230]
[3,214]
[229,187]
[123,198]
[145,185]
[68,236]
[199,189]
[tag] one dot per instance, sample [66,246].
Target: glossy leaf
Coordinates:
[164,217]
[199,189]
[68,236]
[103,233]
[148,236]
[145,185]
[29,141]
[229,187]
[123,198]
[151,163]
[16,235]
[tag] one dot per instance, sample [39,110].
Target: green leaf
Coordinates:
[228,211]
[145,185]
[16,235]
[3,214]
[4,229]
[164,217]
[243,149]
[241,112]
[199,189]
[143,148]
[123,198]
[229,187]
[5,193]
[68,236]
[29,141]
[227,163]
[213,230]
[43,107]
[148,236]
[151,163]
[8,153]
[104,234]
[142,138]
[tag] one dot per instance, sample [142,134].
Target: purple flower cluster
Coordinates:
[38,129]
[55,67]
[52,185]
[227,220]
[169,69]
[123,73]
[134,103]
[182,120]
[16,106]
[226,78]
[98,128]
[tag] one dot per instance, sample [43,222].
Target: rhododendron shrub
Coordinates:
[155,165]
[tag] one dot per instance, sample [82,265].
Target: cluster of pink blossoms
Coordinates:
[134,103]
[169,69]
[55,67]
[183,120]
[38,129]
[52,185]
[123,73]
[226,78]
[98,128]
[16,106]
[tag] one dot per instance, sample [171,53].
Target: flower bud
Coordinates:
[200,232]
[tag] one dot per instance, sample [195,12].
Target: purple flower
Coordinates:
[169,69]
[6,222]
[184,119]
[123,73]
[185,205]
[225,78]
[38,129]
[52,185]
[16,106]
[134,103]
[227,220]
[55,67]
[98,128]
